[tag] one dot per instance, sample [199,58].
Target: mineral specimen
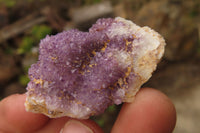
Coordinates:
[80,74]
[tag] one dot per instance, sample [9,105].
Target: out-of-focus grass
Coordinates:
[89,2]
[40,31]
[8,3]
[12,3]
[100,122]
[103,119]
[23,80]
[9,50]
[198,48]
[111,108]
[36,33]
[26,45]
[31,39]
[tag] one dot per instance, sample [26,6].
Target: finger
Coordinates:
[14,117]
[151,112]
[66,124]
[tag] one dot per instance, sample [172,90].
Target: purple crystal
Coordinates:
[80,74]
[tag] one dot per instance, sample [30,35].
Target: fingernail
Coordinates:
[74,126]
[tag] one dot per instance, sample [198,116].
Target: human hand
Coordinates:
[151,112]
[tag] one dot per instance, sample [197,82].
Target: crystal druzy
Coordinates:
[79,74]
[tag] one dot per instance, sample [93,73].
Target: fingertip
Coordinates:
[67,124]
[84,126]
[151,112]
[92,125]
[14,117]
[161,110]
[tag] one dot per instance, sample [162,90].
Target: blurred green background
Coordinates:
[24,22]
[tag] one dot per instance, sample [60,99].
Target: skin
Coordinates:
[151,112]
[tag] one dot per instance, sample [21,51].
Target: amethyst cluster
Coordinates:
[80,74]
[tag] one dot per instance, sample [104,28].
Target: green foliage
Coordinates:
[89,2]
[25,68]
[8,51]
[100,122]
[112,108]
[40,31]
[26,45]
[37,0]
[8,3]
[103,119]
[37,32]
[198,48]
[23,79]
[193,13]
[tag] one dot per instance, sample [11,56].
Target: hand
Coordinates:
[151,112]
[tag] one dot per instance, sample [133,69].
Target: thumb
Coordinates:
[73,126]
[84,126]
[70,125]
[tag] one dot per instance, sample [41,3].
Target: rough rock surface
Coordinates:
[80,74]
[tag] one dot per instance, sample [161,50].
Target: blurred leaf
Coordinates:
[23,80]
[26,45]
[8,51]
[100,122]
[37,32]
[97,1]
[26,68]
[198,48]
[193,13]
[40,31]
[89,2]
[8,3]
[111,108]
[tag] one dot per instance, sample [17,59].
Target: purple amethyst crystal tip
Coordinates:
[80,74]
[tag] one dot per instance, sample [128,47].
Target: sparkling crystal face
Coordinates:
[80,74]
